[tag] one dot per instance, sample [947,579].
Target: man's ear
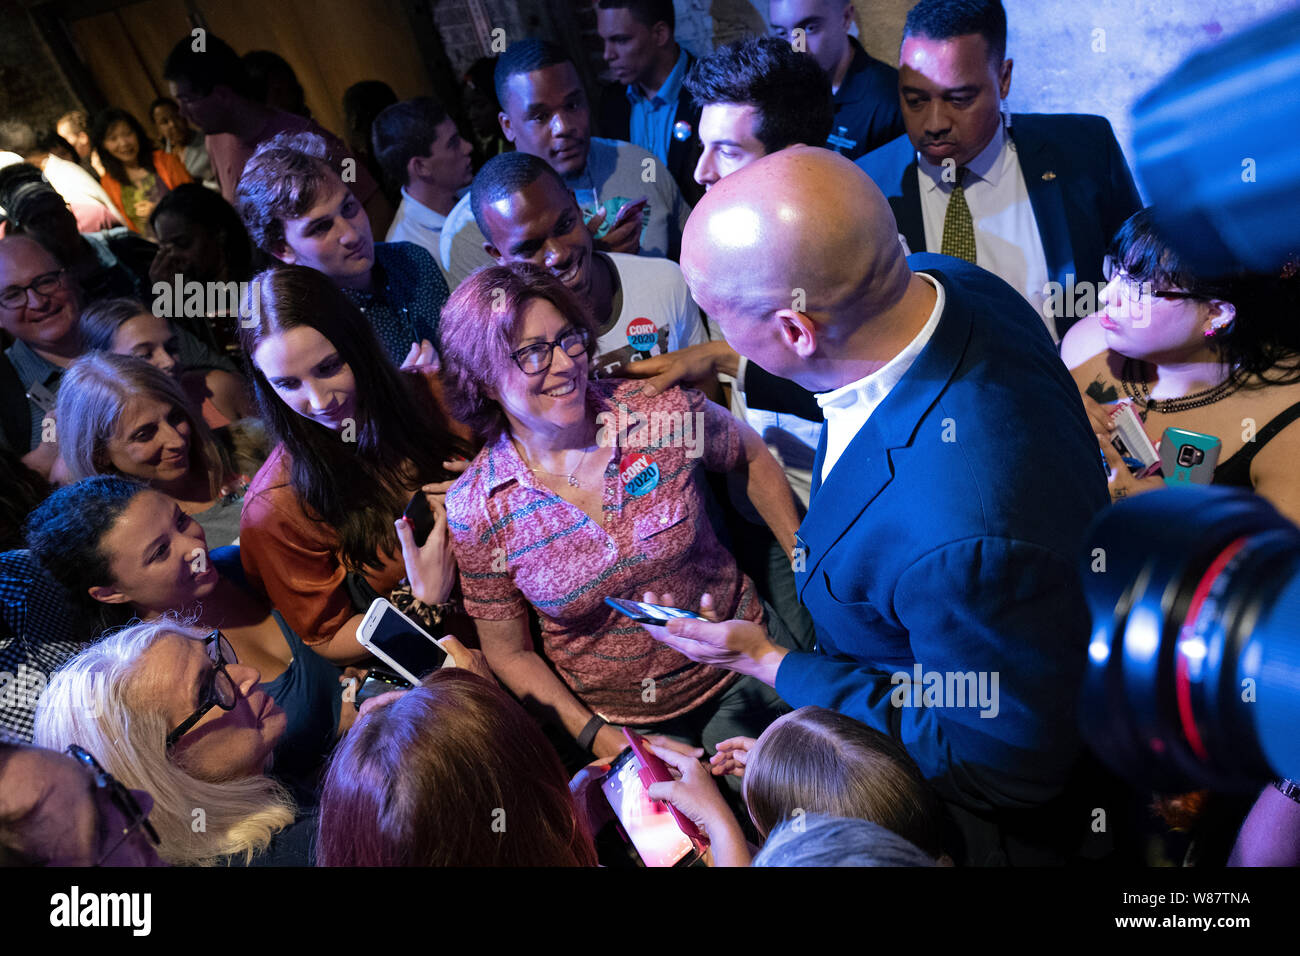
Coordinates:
[414,168]
[848,15]
[504,119]
[107,594]
[285,254]
[662,36]
[1004,78]
[798,332]
[494,252]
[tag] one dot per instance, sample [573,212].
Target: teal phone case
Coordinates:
[1188,457]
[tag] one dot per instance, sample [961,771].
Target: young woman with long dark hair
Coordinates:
[355,438]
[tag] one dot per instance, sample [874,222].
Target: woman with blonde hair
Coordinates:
[172,712]
[117,414]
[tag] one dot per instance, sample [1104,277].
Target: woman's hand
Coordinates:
[421,358]
[609,742]
[1123,483]
[144,209]
[466,658]
[431,569]
[440,487]
[732,756]
[697,796]
[588,799]
[1098,414]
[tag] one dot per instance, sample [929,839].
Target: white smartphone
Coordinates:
[401,643]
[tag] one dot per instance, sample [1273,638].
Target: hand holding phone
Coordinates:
[1188,457]
[624,235]
[430,562]
[398,641]
[655,829]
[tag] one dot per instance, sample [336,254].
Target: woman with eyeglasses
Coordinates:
[170,710]
[322,532]
[64,809]
[586,490]
[121,551]
[1221,358]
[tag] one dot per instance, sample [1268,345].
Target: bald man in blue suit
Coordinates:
[955,479]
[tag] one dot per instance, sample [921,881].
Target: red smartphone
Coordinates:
[654,770]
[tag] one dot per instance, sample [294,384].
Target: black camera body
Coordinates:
[1193,677]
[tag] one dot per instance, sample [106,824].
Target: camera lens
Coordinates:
[1189,455]
[1193,677]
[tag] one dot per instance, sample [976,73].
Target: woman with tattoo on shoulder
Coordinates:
[1219,357]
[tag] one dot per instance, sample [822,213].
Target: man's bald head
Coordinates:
[42,320]
[801,230]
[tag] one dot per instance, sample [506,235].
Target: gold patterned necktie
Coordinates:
[958,226]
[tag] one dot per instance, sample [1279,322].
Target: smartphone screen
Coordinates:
[406,644]
[658,839]
[649,613]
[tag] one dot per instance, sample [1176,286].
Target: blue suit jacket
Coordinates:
[1079,186]
[948,535]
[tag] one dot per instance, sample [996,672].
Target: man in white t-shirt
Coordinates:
[630,195]
[641,304]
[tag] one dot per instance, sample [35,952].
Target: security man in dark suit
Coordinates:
[863,89]
[956,476]
[650,106]
[1034,199]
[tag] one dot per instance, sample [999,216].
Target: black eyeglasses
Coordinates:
[1135,289]
[536,358]
[218,688]
[15,296]
[121,797]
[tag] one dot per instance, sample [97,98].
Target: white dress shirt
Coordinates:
[415,222]
[848,407]
[1007,242]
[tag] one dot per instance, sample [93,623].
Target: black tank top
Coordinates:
[1235,472]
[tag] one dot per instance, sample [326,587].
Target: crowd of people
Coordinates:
[784,347]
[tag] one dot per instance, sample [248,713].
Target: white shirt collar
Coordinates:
[990,164]
[418,213]
[872,389]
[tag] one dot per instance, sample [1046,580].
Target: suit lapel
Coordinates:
[866,466]
[1043,173]
[907,209]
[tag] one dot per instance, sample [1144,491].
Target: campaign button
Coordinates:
[639,474]
[642,334]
